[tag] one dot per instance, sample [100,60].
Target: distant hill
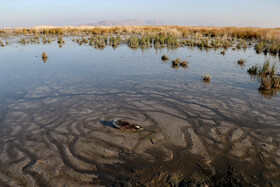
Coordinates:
[125,23]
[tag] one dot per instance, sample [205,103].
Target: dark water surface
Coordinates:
[55,117]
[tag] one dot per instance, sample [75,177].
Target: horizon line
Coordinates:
[165,25]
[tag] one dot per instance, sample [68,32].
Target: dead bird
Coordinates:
[125,125]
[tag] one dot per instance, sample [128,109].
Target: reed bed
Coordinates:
[261,34]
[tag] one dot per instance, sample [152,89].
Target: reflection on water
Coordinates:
[45,59]
[54,115]
[268,93]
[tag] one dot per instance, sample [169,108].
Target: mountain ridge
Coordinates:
[125,23]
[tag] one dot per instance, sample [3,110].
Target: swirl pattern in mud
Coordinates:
[66,137]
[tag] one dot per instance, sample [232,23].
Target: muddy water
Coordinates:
[56,118]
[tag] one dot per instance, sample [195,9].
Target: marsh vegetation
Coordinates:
[265,40]
[267,76]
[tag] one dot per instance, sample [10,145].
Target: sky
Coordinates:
[252,13]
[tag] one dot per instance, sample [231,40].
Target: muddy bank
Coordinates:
[184,142]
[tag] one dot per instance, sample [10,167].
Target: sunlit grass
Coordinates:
[246,33]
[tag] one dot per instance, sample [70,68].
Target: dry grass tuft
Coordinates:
[164,57]
[241,62]
[176,62]
[44,55]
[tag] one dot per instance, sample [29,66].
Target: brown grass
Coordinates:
[44,55]
[264,34]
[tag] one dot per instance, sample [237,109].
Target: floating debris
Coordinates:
[125,125]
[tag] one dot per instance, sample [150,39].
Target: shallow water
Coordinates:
[55,117]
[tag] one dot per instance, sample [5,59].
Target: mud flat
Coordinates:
[57,128]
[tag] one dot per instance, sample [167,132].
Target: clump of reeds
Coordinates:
[206,78]
[260,47]
[115,41]
[44,39]
[164,57]
[44,55]
[2,44]
[171,41]
[241,44]
[274,48]
[268,78]
[241,62]
[159,40]
[176,62]
[98,41]
[253,70]
[270,82]
[133,42]
[216,44]
[183,63]
[226,44]
[205,44]
[60,40]
[84,40]
[145,41]
[267,68]
[22,41]
[190,43]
